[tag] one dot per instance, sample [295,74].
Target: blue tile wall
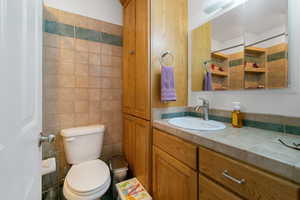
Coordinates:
[81,33]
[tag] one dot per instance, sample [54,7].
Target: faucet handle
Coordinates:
[205,102]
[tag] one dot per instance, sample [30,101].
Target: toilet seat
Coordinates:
[87,180]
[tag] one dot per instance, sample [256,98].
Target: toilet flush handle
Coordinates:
[70,139]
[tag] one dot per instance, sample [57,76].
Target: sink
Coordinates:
[195,123]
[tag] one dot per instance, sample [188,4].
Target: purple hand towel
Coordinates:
[208,82]
[168,91]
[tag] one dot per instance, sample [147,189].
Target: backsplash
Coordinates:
[82,81]
[277,123]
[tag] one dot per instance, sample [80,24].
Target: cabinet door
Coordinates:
[172,180]
[142,71]
[137,148]
[208,190]
[129,58]
[129,140]
[142,165]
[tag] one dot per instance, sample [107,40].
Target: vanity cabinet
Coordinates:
[172,180]
[136,70]
[247,181]
[137,148]
[174,168]
[182,170]
[209,190]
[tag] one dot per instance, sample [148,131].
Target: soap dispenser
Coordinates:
[237,119]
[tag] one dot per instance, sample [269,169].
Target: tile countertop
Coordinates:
[257,147]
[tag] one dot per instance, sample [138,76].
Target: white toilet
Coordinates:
[89,177]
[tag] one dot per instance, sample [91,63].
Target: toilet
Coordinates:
[89,177]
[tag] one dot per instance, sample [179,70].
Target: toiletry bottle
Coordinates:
[237,120]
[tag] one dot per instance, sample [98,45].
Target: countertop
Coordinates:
[257,147]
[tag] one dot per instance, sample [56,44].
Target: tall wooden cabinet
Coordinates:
[136,90]
[137,148]
[136,71]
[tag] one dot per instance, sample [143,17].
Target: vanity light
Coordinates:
[219,5]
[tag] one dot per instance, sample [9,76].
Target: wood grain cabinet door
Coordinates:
[245,180]
[129,33]
[172,180]
[129,140]
[137,148]
[208,190]
[142,69]
[142,165]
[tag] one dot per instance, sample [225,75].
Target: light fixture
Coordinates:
[217,6]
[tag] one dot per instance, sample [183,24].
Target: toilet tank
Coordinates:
[83,143]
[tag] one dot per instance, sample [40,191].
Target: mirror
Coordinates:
[244,48]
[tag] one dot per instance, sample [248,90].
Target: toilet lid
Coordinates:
[88,176]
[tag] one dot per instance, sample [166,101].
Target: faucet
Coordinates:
[205,107]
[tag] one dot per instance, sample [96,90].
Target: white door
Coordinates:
[20,99]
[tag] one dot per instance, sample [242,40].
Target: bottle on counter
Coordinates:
[237,118]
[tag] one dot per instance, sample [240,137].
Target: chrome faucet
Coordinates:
[204,107]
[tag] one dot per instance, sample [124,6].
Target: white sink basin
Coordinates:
[195,123]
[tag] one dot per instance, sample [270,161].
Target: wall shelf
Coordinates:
[255,50]
[219,73]
[255,70]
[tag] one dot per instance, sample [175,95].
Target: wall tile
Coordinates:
[51,67]
[67,120]
[94,82]
[94,70]
[52,53]
[51,14]
[117,51]
[81,119]
[106,71]
[66,18]
[67,55]
[94,24]
[65,68]
[116,61]
[81,45]
[65,107]
[106,60]
[94,94]
[82,82]
[106,83]
[67,42]
[87,34]
[94,107]
[81,94]
[81,57]
[94,118]
[107,49]
[65,94]
[94,59]
[81,21]
[66,81]
[51,40]
[81,69]
[81,106]
[94,47]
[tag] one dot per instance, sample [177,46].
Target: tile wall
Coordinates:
[82,79]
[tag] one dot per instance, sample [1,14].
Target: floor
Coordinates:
[57,194]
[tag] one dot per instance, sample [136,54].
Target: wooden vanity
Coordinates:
[182,170]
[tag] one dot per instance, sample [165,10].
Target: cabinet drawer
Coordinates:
[247,181]
[181,150]
[208,190]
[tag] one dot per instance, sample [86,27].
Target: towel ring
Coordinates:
[163,56]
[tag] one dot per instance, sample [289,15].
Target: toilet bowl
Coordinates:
[88,178]
[87,181]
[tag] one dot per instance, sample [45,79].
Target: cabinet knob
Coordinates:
[132,52]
